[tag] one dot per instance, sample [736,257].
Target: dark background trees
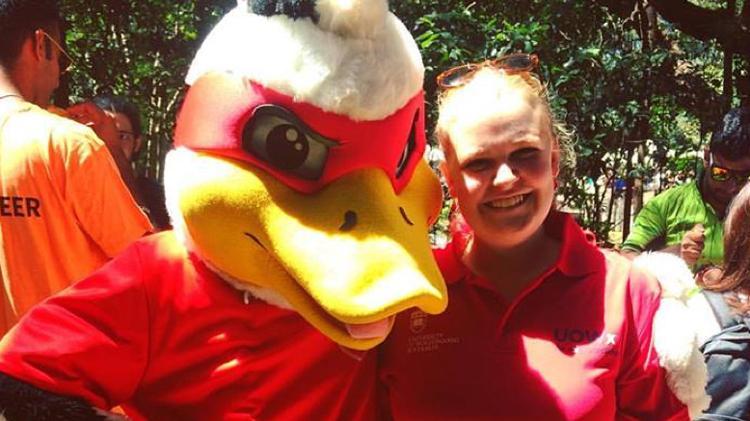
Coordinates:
[641,83]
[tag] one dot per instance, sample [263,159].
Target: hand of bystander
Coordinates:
[101,123]
[105,127]
[692,244]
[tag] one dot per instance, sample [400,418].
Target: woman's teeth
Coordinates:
[507,202]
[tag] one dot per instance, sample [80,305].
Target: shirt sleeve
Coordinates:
[102,203]
[642,389]
[649,224]
[68,343]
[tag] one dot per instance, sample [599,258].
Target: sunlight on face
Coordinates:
[501,157]
[486,94]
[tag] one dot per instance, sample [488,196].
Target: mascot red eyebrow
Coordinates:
[301,205]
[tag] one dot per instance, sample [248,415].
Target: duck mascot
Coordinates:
[301,205]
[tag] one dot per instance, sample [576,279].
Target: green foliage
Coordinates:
[141,50]
[606,83]
[620,92]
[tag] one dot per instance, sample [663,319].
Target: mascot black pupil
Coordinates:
[287,147]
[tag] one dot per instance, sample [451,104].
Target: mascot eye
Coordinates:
[411,145]
[276,136]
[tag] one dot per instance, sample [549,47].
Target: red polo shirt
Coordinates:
[158,333]
[576,344]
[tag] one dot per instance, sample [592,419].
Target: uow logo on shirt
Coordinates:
[573,340]
[576,335]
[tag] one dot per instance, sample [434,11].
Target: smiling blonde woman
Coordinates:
[540,324]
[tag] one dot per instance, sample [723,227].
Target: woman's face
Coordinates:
[129,142]
[500,166]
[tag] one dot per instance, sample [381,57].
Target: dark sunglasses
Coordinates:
[510,64]
[722,174]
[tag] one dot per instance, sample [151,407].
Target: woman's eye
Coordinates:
[525,153]
[276,136]
[477,165]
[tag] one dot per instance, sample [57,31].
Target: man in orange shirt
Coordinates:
[64,209]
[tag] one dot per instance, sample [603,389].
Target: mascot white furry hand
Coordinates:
[679,327]
[301,206]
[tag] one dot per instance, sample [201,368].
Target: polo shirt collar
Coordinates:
[578,256]
[450,264]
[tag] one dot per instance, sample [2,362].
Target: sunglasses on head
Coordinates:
[510,64]
[64,59]
[722,174]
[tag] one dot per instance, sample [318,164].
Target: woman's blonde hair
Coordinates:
[486,88]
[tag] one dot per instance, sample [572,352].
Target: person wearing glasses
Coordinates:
[540,324]
[687,219]
[128,121]
[64,209]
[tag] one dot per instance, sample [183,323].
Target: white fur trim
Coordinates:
[264,294]
[367,73]
[178,161]
[175,164]
[352,18]
[675,336]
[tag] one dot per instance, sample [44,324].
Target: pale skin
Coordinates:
[129,142]
[500,167]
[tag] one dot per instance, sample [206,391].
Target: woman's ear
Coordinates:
[446,176]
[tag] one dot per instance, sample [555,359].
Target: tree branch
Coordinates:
[706,24]
[745,15]
[732,32]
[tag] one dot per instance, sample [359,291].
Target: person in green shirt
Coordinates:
[687,219]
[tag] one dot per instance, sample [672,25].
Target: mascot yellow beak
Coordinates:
[346,258]
[298,174]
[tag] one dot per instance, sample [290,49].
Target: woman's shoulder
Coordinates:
[650,276]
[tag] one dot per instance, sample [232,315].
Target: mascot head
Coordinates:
[297,173]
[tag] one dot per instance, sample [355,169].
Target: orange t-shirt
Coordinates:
[64,210]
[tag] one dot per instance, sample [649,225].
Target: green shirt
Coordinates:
[669,215]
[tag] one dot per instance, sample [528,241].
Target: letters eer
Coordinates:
[20,206]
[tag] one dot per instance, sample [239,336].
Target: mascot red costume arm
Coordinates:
[301,205]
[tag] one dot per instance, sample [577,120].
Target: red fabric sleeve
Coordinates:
[642,389]
[90,340]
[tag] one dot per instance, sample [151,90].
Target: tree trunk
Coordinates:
[628,195]
[638,182]
[743,80]
[728,91]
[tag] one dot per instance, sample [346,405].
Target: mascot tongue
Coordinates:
[311,84]
[377,329]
